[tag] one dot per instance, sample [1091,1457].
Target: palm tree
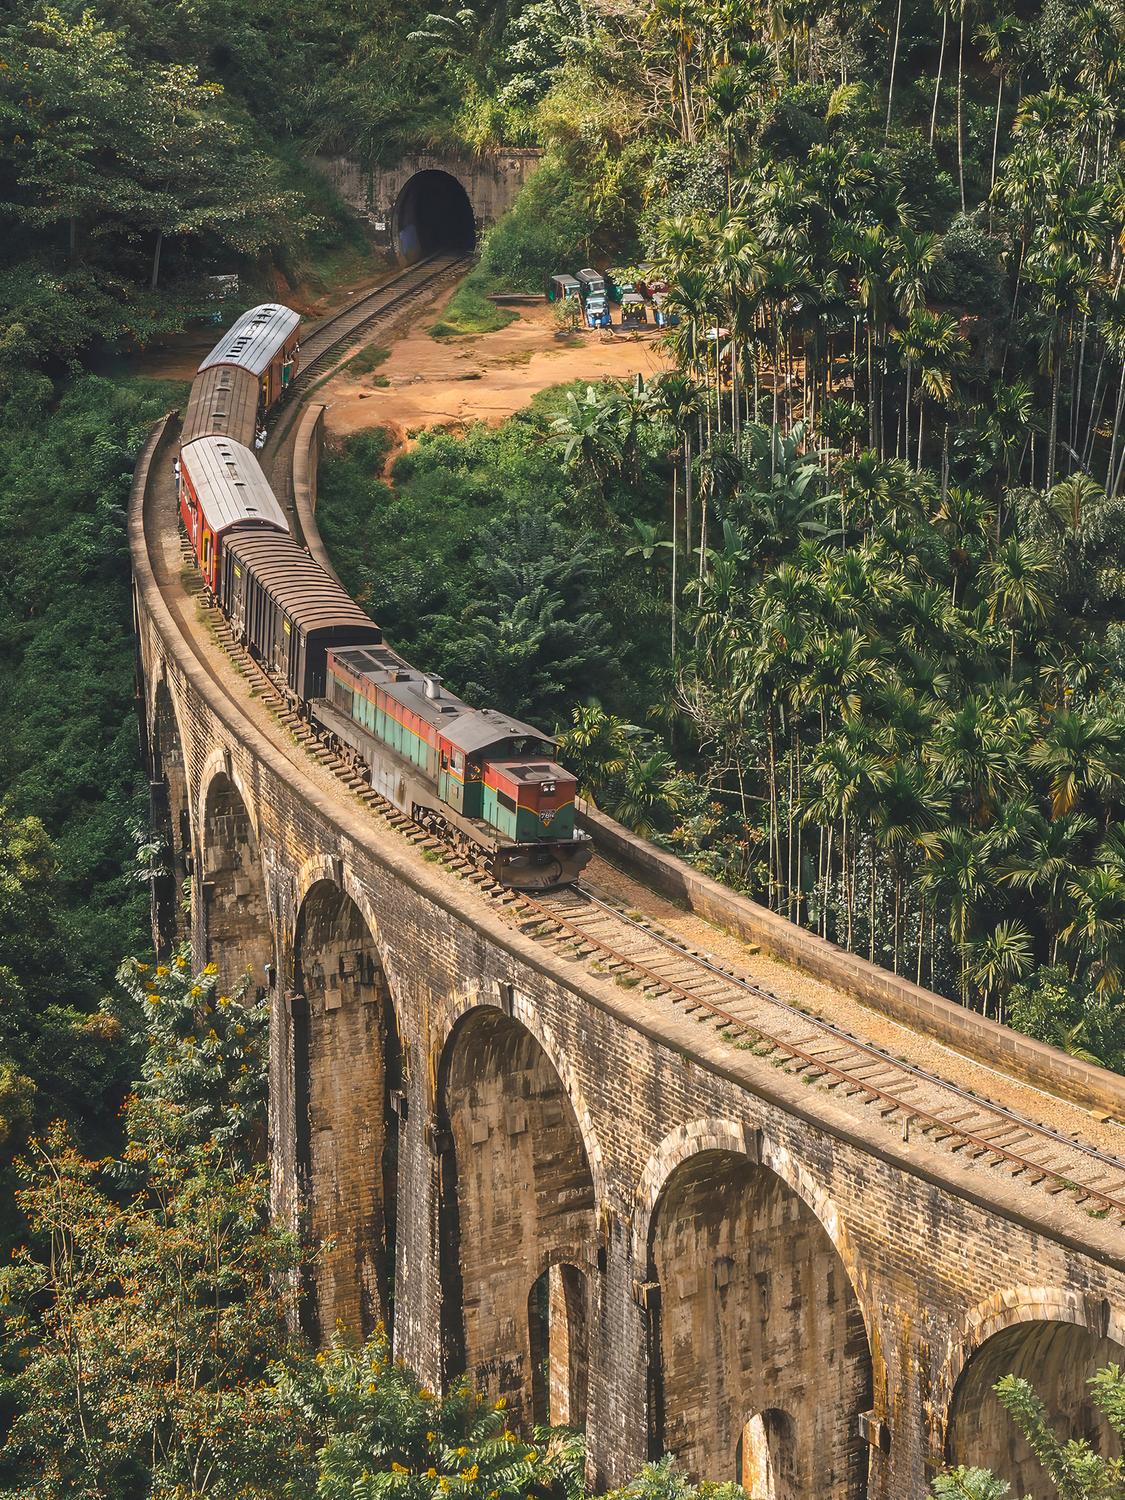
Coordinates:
[1096,933]
[999,959]
[596,747]
[998,40]
[1080,754]
[1020,579]
[1048,852]
[589,431]
[956,876]
[908,807]
[1064,284]
[673,26]
[941,348]
[680,401]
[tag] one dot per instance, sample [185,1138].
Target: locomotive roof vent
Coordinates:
[431,686]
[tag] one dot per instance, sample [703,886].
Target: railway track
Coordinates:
[334,333]
[635,952]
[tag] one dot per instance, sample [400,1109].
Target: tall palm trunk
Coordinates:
[1116,429]
[894,64]
[937,80]
[960,111]
[996,133]
[1053,432]
[675,553]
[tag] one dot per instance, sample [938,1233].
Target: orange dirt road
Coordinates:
[451,382]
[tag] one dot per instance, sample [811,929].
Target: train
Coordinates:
[479,779]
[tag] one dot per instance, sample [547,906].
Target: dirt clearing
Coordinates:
[428,382]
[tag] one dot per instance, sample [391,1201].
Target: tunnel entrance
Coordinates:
[433,213]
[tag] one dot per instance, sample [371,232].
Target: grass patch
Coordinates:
[470,311]
[368,359]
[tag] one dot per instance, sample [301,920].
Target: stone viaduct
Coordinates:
[428,202]
[599,1210]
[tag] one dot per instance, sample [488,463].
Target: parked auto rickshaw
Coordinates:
[662,315]
[596,308]
[621,281]
[634,313]
[591,283]
[563,288]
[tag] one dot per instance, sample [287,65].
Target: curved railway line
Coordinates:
[329,339]
[636,952]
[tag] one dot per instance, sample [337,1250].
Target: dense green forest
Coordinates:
[832,609]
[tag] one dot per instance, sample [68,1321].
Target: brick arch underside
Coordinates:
[757,1319]
[1058,1359]
[237,933]
[347,1069]
[170,811]
[517,1199]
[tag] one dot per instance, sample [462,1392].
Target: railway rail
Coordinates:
[335,332]
[637,952]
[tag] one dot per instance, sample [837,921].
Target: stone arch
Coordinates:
[716,1134]
[756,1313]
[767,1460]
[517,1195]
[233,914]
[170,815]
[347,1063]
[1054,1338]
[432,213]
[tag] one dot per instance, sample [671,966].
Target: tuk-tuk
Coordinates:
[597,310]
[591,283]
[650,284]
[662,315]
[562,288]
[634,313]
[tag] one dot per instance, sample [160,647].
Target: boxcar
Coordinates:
[263,341]
[222,486]
[223,403]
[288,610]
[562,289]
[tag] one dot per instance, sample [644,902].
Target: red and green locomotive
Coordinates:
[486,783]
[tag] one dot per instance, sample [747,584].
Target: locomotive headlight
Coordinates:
[548,789]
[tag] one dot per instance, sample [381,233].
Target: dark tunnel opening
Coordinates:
[433,214]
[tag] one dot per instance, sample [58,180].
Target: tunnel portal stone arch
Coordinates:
[347,1066]
[433,213]
[518,1219]
[756,1314]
